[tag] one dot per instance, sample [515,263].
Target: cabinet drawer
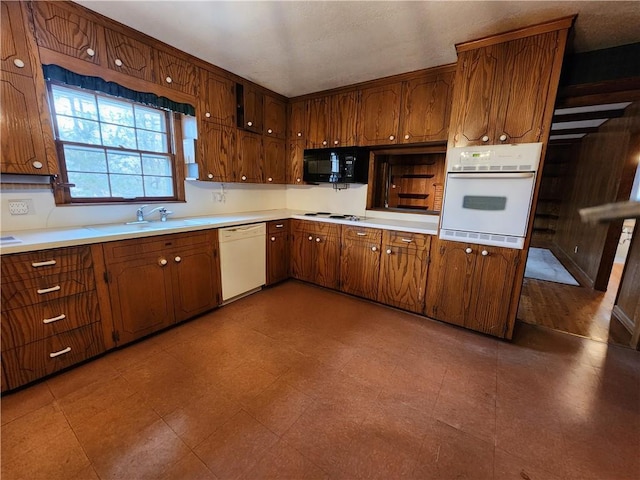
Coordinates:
[37,359]
[316,228]
[44,262]
[405,239]
[362,233]
[278,226]
[21,326]
[138,247]
[35,290]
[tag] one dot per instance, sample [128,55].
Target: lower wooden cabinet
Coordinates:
[158,281]
[360,261]
[278,252]
[470,285]
[403,270]
[315,252]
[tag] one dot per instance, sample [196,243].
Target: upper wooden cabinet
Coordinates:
[426,107]
[218,99]
[275,158]
[503,91]
[295,161]
[250,158]
[343,121]
[379,116]
[61,29]
[176,73]
[128,55]
[16,54]
[217,151]
[318,121]
[275,117]
[250,108]
[297,120]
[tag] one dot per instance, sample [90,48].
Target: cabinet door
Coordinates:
[274,160]
[176,73]
[196,284]
[344,114]
[218,99]
[493,281]
[253,109]
[23,147]
[379,115]
[295,161]
[426,108]
[297,121]
[277,257]
[526,66]
[250,158]
[302,250]
[141,296]
[217,146]
[450,281]
[471,115]
[326,258]
[318,122]
[63,31]
[275,117]
[15,56]
[359,268]
[129,56]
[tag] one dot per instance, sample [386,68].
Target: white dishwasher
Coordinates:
[243,260]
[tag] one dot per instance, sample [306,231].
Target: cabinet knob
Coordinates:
[310,238]
[336,142]
[485,138]
[392,137]
[249,124]
[37,164]
[299,134]
[244,177]
[468,250]
[317,239]
[298,180]
[484,253]
[208,115]
[18,63]
[178,259]
[118,62]
[389,251]
[269,131]
[407,136]
[210,175]
[374,249]
[168,80]
[91,52]
[273,239]
[162,262]
[503,137]
[324,142]
[270,179]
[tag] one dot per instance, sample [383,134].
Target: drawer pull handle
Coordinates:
[361,234]
[42,291]
[54,319]
[61,352]
[407,240]
[279,225]
[43,264]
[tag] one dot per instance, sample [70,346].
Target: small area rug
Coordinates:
[543,265]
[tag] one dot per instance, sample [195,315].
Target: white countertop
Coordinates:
[41,239]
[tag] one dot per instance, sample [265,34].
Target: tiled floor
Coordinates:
[298,382]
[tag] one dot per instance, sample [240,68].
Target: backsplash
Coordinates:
[323,198]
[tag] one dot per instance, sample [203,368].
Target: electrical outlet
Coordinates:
[21,207]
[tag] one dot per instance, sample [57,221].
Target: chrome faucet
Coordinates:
[164,213]
[140,213]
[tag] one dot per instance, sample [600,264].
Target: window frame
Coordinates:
[62,188]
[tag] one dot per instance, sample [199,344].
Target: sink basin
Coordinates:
[142,226]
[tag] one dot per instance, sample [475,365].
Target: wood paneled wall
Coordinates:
[602,173]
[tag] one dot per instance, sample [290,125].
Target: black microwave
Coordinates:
[336,165]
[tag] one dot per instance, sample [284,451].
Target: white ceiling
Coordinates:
[298,47]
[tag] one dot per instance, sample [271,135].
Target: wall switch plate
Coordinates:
[21,207]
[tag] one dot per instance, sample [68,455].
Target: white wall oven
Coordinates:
[488,193]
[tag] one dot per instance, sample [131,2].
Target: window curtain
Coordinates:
[62,75]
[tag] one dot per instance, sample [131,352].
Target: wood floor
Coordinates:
[577,310]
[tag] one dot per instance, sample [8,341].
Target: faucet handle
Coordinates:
[164,213]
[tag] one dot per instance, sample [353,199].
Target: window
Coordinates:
[112,149]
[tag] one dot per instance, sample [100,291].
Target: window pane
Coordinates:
[158,187]
[74,103]
[151,141]
[127,186]
[126,163]
[150,119]
[80,159]
[156,165]
[114,111]
[89,185]
[78,130]
[116,136]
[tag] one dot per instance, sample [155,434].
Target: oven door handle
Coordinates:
[478,175]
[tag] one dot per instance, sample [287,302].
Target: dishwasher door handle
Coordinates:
[244,229]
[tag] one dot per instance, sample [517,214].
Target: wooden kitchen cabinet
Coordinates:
[360,261]
[318,122]
[344,115]
[275,117]
[297,120]
[315,252]
[251,111]
[217,150]
[176,73]
[295,161]
[128,55]
[275,158]
[403,270]
[16,51]
[470,285]
[217,99]
[379,115]
[278,251]
[296,141]
[250,158]
[156,282]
